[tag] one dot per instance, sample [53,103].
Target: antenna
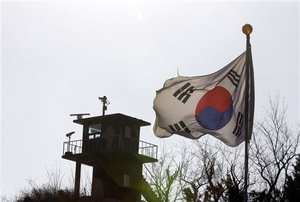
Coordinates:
[105,103]
[79,116]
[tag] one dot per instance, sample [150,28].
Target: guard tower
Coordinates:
[111,145]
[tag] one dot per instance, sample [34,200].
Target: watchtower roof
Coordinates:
[112,118]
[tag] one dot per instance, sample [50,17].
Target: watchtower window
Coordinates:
[127,131]
[94,131]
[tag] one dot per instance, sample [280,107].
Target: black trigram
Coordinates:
[234,77]
[180,126]
[239,123]
[184,93]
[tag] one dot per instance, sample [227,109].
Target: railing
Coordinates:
[148,149]
[72,147]
[110,143]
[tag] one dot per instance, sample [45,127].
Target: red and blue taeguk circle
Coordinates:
[214,110]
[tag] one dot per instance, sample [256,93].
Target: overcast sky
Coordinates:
[58,57]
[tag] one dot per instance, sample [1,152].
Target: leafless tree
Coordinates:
[273,146]
[207,172]
[218,168]
[234,180]
[213,172]
[164,177]
[201,172]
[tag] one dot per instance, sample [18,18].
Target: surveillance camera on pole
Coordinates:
[105,103]
[68,135]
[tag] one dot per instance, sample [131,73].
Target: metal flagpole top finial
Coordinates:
[247,29]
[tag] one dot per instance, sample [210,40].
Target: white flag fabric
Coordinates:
[213,104]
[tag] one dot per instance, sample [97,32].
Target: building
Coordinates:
[111,145]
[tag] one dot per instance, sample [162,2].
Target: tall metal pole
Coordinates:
[247,29]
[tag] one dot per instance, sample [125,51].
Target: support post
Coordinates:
[77,181]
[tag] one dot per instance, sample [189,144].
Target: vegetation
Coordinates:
[202,172]
[45,194]
[215,173]
[55,189]
[292,185]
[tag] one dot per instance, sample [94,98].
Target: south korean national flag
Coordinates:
[212,104]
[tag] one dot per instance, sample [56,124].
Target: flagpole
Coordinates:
[247,29]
